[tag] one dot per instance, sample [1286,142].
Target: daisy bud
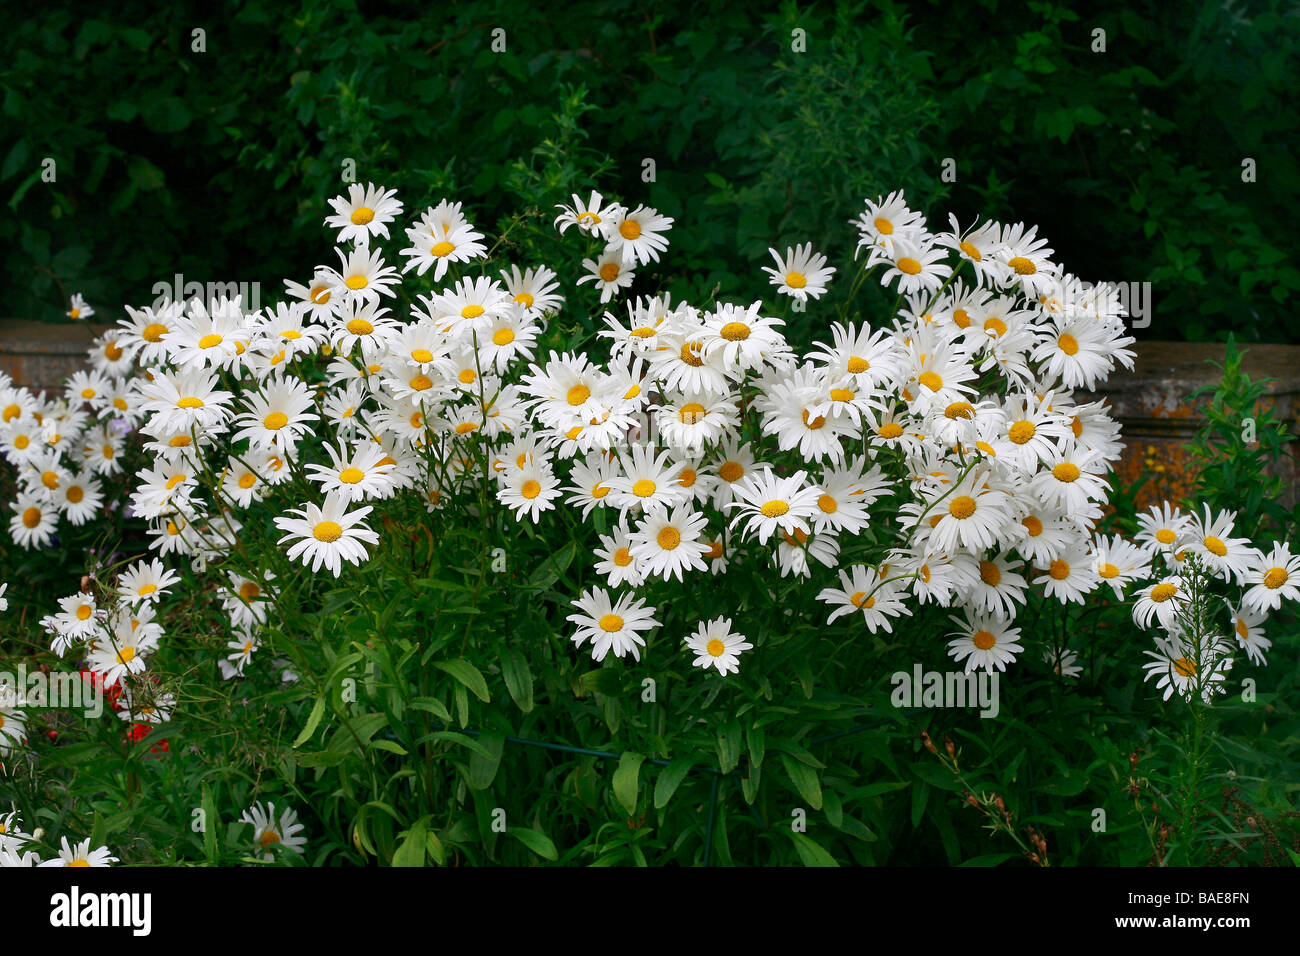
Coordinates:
[1033,858]
[997,802]
[949,746]
[972,800]
[929,744]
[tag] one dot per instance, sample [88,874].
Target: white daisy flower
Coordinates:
[270,830]
[615,626]
[800,273]
[767,503]
[668,543]
[327,534]
[637,237]
[984,641]
[364,212]
[609,273]
[716,645]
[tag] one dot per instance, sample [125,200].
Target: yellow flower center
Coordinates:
[270,836]
[31,517]
[990,574]
[503,336]
[828,504]
[796,280]
[247,480]
[734,331]
[1065,472]
[611,623]
[883,225]
[961,318]
[249,590]
[1033,524]
[351,476]
[1060,570]
[84,612]
[961,507]
[327,531]
[443,249]
[360,327]
[1068,343]
[1165,536]
[642,332]
[1163,592]
[1022,266]
[525,299]
[930,380]
[1275,578]
[909,265]
[731,471]
[970,250]
[50,480]
[644,488]
[210,341]
[622,557]
[959,410]
[126,655]
[858,365]
[690,354]
[774,509]
[147,589]
[984,640]
[578,394]
[1022,431]
[1215,546]
[629,229]
[320,295]
[715,648]
[531,489]
[816,423]
[421,383]
[609,271]
[842,395]
[690,413]
[890,430]
[668,538]
[996,326]
[1185,667]
[275,421]
[1108,571]
[362,216]
[153,332]
[357,282]
[471,311]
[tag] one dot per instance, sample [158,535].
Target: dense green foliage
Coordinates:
[1130,160]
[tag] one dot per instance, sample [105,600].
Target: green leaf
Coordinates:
[518,677]
[467,674]
[411,851]
[313,721]
[539,843]
[392,746]
[627,780]
[670,779]
[988,859]
[483,766]
[811,852]
[210,824]
[804,779]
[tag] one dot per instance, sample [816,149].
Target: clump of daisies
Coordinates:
[696,437]
[1206,595]
[18,848]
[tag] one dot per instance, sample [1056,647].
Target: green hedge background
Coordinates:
[216,164]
